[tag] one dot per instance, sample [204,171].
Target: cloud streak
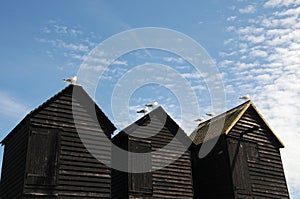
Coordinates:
[10,107]
[265,63]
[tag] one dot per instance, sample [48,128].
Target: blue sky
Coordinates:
[254,44]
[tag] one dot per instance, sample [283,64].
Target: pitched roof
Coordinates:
[223,123]
[68,88]
[161,115]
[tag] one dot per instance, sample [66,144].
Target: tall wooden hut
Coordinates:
[244,163]
[44,156]
[152,133]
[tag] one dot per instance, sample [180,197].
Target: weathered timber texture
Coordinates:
[152,133]
[245,162]
[53,161]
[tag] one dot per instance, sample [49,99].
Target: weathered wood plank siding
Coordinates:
[44,156]
[79,173]
[262,158]
[172,181]
[14,161]
[119,178]
[211,174]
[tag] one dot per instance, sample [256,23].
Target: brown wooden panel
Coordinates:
[43,157]
[140,182]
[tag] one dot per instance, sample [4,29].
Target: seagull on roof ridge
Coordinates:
[152,105]
[211,114]
[71,80]
[245,97]
[200,119]
[145,110]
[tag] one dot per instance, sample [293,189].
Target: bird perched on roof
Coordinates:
[200,119]
[245,97]
[152,105]
[71,80]
[210,114]
[145,110]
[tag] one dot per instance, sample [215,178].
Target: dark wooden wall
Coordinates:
[211,174]
[119,184]
[172,181]
[14,161]
[255,159]
[58,165]
[79,173]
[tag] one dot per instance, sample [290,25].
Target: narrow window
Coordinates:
[42,157]
[141,182]
[239,166]
[252,152]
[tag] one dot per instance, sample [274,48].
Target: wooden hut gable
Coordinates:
[251,122]
[223,124]
[54,160]
[153,132]
[248,150]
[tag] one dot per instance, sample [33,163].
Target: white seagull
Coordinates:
[145,110]
[245,97]
[152,105]
[210,114]
[71,80]
[200,119]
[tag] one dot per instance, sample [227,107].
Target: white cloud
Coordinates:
[258,53]
[193,75]
[226,63]
[250,29]
[228,41]
[250,9]
[230,28]
[281,3]
[254,39]
[232,7]
[268,52]
[70,41]
[10,107]
[292,11]
[177,60]
[55,27]
[231,18]
[62,44]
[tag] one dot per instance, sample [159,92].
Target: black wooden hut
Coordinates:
[159,134]
[44,156]
[244,163]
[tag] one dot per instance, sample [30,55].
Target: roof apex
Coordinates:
[229,119]
[68,88]
[162,114]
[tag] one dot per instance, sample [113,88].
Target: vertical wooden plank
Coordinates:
[239,167]
[43,157]
[14,162]
[252,151]
[141,182]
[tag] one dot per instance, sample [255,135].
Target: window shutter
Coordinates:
[43,157]
[141,182]
[239,167]
[252,152]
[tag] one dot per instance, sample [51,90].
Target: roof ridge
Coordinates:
[232,115]
[51,98]
[221,115]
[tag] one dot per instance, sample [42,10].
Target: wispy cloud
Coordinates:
[71,42]
[177,60]
[231,18]
[53,26]
[281,3]
[265,63]
[10,107]
[250,9]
